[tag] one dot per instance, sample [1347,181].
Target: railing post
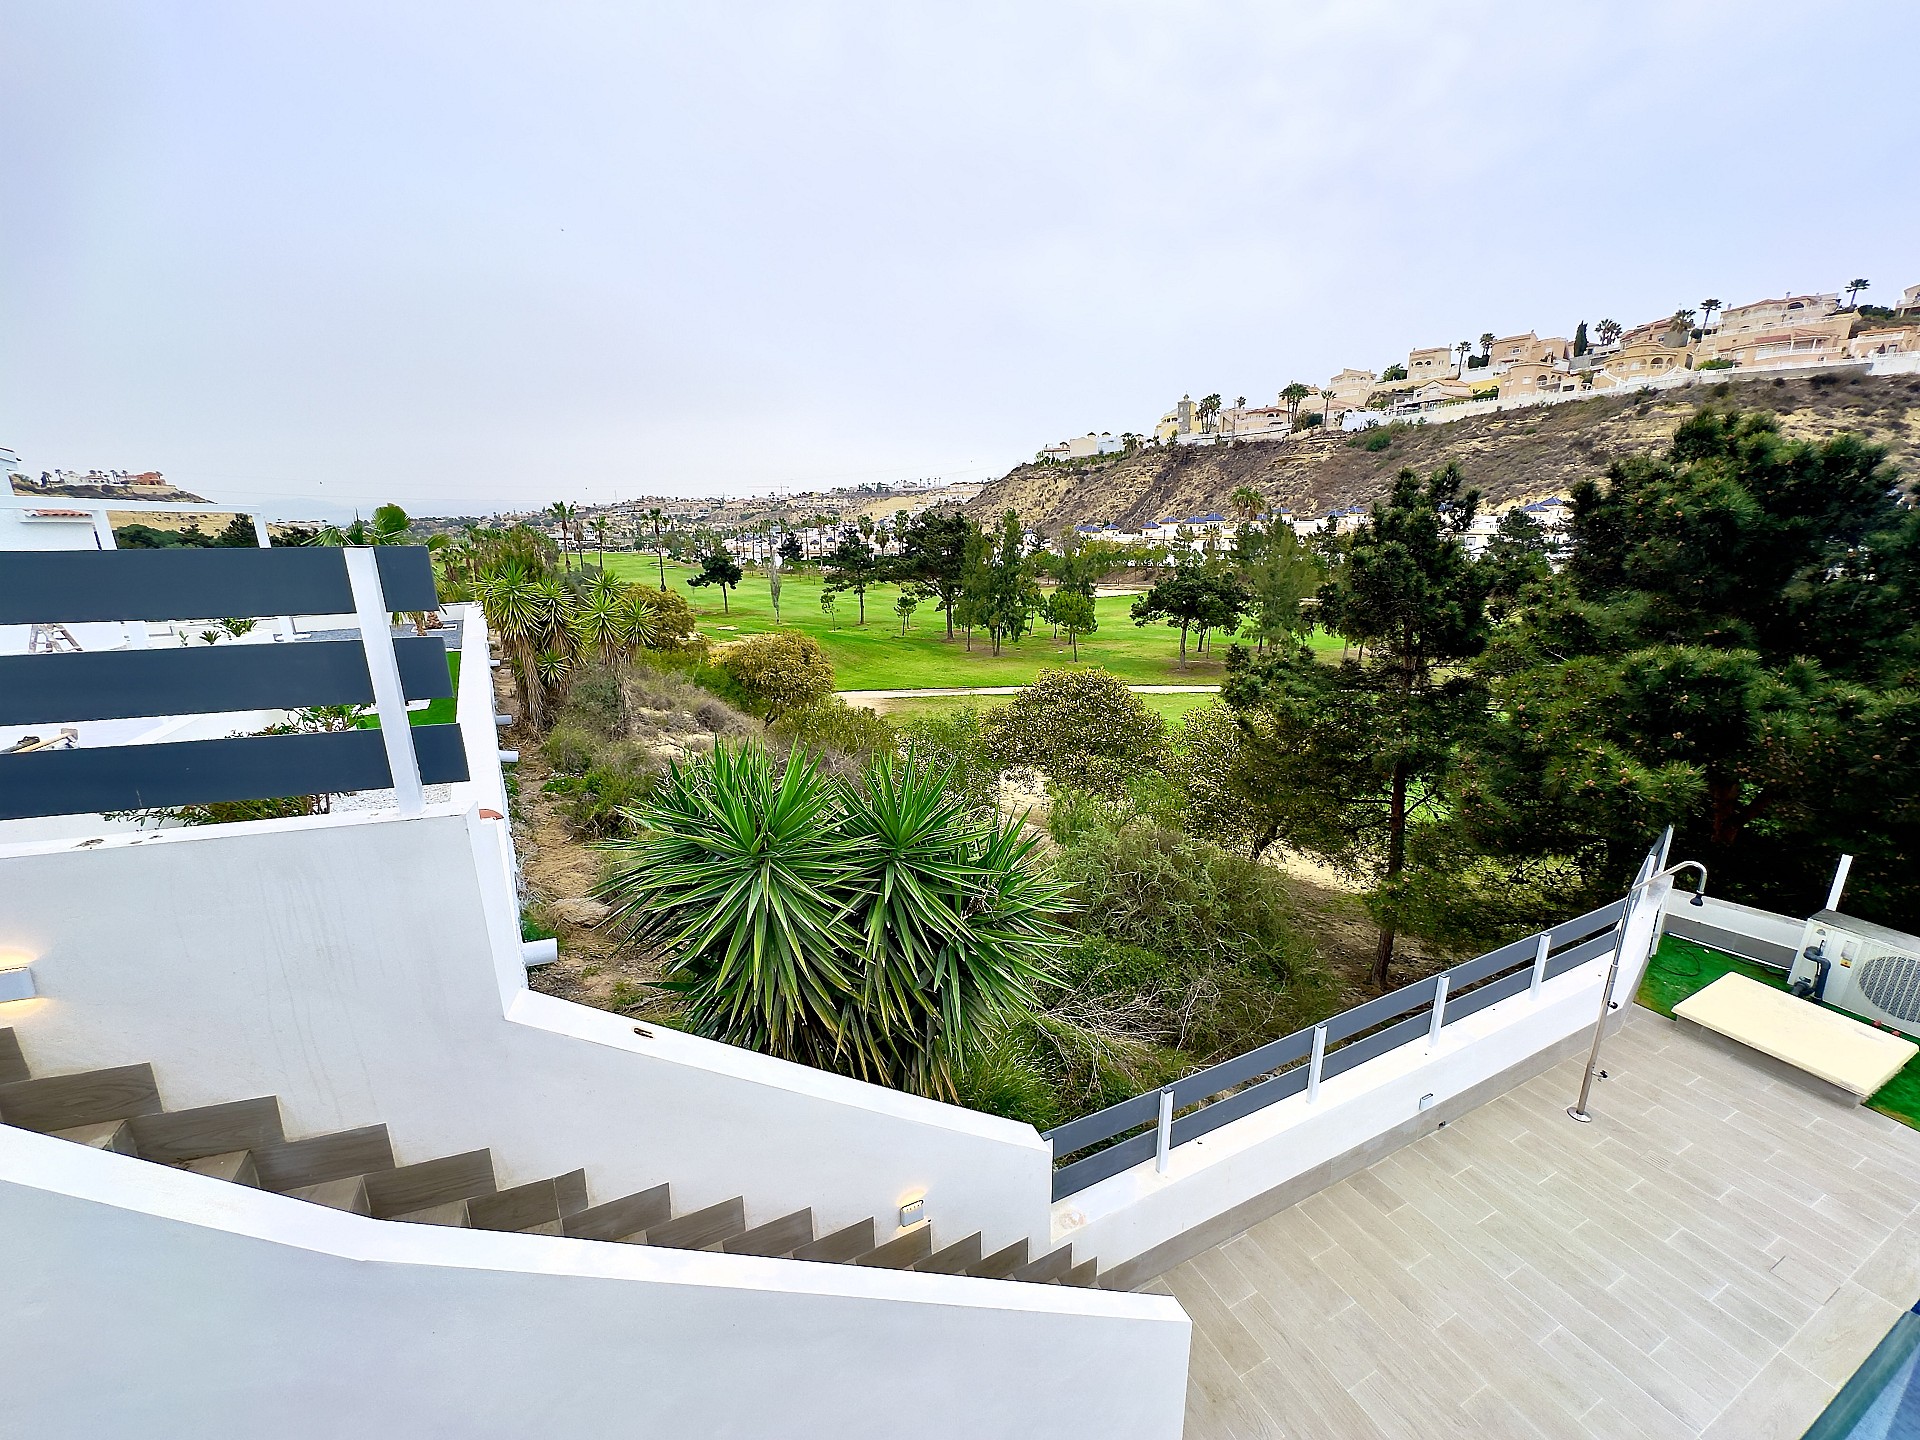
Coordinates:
[1314,1063]
[1439,1011]
[1163,1141]
[389,698]
[1540,963]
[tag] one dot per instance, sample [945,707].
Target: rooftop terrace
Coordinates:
[1713,1256]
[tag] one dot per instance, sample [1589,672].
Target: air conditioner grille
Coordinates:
[1892,982]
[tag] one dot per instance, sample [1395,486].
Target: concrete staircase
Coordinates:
[243,1142]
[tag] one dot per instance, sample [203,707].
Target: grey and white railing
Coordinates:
[1154,1123]
[80,586]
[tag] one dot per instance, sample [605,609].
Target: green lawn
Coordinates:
[1680,967]
[1173,707]
[437,712]
[877,656]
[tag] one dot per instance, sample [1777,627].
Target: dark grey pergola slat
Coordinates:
[123,684]
[86,586]
[200,772]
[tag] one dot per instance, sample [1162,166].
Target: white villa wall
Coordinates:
[1131,1214]
[155,1303]
[367,968]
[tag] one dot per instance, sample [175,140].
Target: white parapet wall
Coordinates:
[366,968]
[1143,1220]
[147,1301]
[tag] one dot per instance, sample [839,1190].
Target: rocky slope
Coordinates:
[1518,455]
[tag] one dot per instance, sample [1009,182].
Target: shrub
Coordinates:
[779,672]
[1084,728]
[569,749]
[836,729]
[1719,362]
[595,801]
[593,702]
[1378,439]
[956,742]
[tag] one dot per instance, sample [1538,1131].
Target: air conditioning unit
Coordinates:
[1861,967]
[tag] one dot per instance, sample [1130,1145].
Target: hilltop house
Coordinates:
[1431,363]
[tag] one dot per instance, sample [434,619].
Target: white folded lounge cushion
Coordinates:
[1824,1043]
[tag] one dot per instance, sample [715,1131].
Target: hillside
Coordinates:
[1518,455]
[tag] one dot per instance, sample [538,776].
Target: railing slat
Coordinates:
[1105,1124]
[1208,1118]
[123,684]
[1274,1055]
[1071,1179]
[85,586]
[1417,996]
[200,772]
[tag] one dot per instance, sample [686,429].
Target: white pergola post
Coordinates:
[282,623]
[389,697]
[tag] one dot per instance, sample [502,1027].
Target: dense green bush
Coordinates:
[595,801]
[779,672]
[957,742]
[1083,728]
[570,749]
[836,731]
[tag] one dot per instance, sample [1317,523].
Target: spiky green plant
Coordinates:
[741,877]
[873,926]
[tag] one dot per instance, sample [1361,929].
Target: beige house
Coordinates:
[1530,379]
[1526,349]
[1811,341]
[1350,390]
[1874,343]
[1176,422]
[1439,391]
[1431,363]
[1642,360]
[1770,315]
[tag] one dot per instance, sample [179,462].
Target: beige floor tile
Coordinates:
[1843,1333]
[1778,1404]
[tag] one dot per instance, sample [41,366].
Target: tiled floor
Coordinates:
[1713,1256]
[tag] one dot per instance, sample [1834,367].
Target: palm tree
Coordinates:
[1486,344]
[600,537]
[1293,395]
[1326,408]
[520,608]
[1854,287]
[659,552]
[1707,310]
[1208,407]
[1247,503]
[1464,348]
[562,514]
[600,622]
[1607,331]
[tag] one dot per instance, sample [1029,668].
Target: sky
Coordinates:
[482,256]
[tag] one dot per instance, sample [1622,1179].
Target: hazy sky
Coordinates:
[476,255]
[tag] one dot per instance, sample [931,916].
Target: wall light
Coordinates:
[913,1212]
[16,985]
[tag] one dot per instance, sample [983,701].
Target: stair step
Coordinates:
[13,1065]
[1086,1273]
[955,1259]
[65,1102]
[349,1194]
[902,1252]
[522,1207]
[1002,1263]
[617,1219]
[175,1135]
[114,1135]
[841,1246]
[1052,1266]
[236,1166]
[776,1237]
[701,1228]
[339,1155]
[454,1212]
[408,1189]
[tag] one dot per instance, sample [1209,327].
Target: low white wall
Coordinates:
[1130,1214]
[146,1301]
[366,968]
[1762,935]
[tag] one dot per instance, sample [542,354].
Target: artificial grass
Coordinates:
[876,656]
[440,711]
[1679,968]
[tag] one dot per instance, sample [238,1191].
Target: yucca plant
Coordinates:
[955,923]
[599,621]
[741,877]
[901,929]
